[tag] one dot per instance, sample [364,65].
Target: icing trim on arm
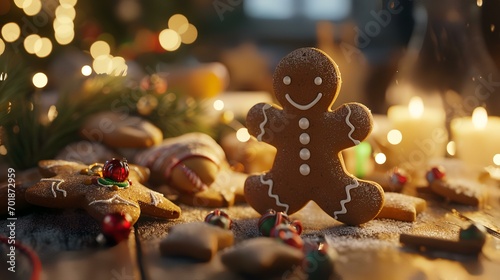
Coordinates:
[263,123]
[348,122]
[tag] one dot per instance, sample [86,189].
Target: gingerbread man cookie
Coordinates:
[99,189]
[309,137]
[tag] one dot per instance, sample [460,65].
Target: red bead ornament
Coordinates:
[435,173]
[219,218]
[116,170]
[288,235]
[272,219]
[116,226]
[399,177]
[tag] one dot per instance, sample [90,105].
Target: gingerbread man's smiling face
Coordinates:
[306,80]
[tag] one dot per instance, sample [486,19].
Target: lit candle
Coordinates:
[476,138]
[418,134]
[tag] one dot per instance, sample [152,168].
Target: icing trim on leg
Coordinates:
[348,189]
[269,182]
[348,122]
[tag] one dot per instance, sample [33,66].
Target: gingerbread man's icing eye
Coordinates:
[318,81]
[287,80]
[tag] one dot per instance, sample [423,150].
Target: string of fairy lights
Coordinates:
[180,31]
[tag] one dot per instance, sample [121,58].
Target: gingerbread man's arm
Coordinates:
[354,123]
[263,121]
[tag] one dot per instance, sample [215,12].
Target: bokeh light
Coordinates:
[394,136]
[218,105]
[99,48]
[169,39]
[40,80]
[2,46]
[190,35]
[69,2]
[103,64]
[451,148]
[86,70]
[65,11]
[242,135]
[29,43]
[178,23]
[32,7]
[11,32]
[19,3]
[380,158]
[64,39]
[43,47]
[496,159]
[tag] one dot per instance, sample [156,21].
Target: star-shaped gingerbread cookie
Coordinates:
[99,189]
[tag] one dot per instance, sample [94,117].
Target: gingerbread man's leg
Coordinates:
[353,201]
[261,195]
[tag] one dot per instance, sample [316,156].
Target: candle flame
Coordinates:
[416,107]
[479,118]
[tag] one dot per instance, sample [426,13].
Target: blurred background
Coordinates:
[366,38]
[446,52]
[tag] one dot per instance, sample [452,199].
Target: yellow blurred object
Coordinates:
[203,81]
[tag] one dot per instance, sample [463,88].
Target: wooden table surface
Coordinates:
[65,243]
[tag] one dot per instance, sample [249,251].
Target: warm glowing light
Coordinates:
[86,70]
[479,3]
[29,43]
[43,47]
[11,32]
[190,35]
[416,107]
[380,158]
[178,23]
[479,118]
[103,64]
[40,80]
[64,39]
[169,39]
[52,113]
[19,3]
[496,159]
[69,2]
[242,135]
[99,48]
[32,7]
[394,136]
[451,148]
[218,105]
[65,11]
[118,66]
[3,150]
[2,46]
[63,25]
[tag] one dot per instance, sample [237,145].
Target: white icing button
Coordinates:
[304,123]
[318,81]
[287,80]
[304,139]
[305,154]
[305,169]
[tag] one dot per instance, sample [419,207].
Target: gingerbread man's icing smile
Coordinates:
[287,80]
[309,137]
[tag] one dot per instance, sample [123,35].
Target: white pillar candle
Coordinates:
[477,138]
[422,134]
